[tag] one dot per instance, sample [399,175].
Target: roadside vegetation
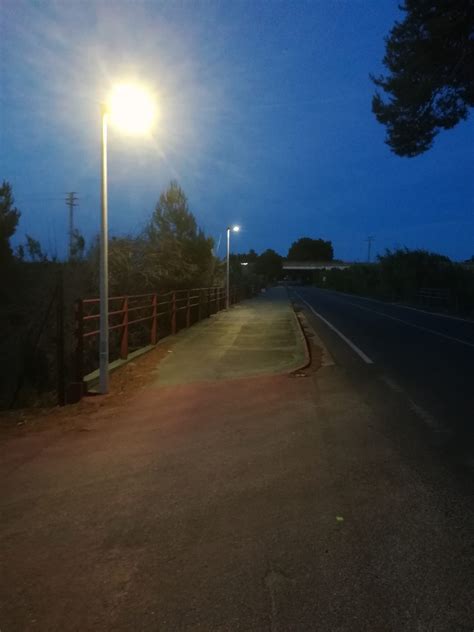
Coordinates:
[404,275]
[171,252]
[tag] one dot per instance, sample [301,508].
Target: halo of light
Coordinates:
[131,108]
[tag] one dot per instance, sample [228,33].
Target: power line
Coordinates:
[369,241]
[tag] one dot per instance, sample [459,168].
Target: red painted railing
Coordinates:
[155,315]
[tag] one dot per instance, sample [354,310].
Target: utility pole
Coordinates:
[369,241]
[71,202]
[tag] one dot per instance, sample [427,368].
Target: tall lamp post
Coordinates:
[131,109]
[235,229]
[104,266]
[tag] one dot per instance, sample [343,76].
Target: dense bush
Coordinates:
[170,253]
[401,274]
[28,310]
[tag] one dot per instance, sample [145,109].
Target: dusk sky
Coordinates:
[265,120]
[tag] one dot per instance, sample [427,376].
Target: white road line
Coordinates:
[356,349]
[400,320]
[426,313]
[421,413]
[399,306]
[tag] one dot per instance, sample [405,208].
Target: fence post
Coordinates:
[188,309]
[153,321]
[173,313]
[61,365]
[200,305]
[124,339]
[79,352]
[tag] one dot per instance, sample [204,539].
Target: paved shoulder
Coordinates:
[257,337]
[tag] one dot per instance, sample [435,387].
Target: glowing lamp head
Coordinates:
[236,229]
[131,108]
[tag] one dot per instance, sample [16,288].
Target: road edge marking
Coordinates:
[354,347]
[408,324]
[399,305]
[424,415]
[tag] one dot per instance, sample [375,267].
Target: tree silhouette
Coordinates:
[9,217]
[430,85]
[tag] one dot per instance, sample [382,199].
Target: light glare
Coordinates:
[131,109]
[236,229]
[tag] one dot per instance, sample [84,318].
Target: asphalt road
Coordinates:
[426,358]
[273,503]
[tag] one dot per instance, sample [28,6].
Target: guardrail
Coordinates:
[138,321]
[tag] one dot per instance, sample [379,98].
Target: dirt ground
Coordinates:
[125,382]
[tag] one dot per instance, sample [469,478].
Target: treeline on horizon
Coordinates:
[170,252]
[402,274]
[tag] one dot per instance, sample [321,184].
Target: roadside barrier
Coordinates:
[139,321]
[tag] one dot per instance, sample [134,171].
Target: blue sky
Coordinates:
[265,120]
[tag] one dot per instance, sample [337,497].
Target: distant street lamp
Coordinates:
[131,109]
[235,229]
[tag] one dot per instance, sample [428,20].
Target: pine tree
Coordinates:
[430,85]
[9,218]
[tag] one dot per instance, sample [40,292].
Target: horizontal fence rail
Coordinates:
[141,320]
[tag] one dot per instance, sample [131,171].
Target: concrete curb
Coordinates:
[309,357]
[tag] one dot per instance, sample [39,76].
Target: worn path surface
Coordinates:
[257,337]
[264,503]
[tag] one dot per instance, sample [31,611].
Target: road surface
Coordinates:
[273,503]
[427,358]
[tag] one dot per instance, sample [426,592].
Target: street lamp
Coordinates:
[235,229]
[131,109]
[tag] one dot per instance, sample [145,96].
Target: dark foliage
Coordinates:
[171,253]
[307,249]
[399,275]
[430,85]
[9,218]
[176,251]
[269,266]
[34,250]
